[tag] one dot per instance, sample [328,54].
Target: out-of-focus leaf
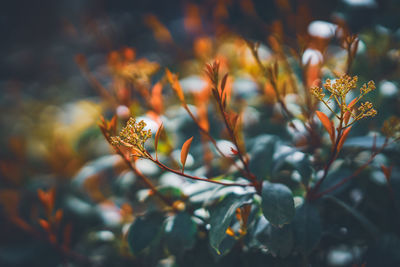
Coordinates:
[103,164]
[365,142]
[144,230]
[170,192]
[222,215]
[261,155]
[385,252]
[367,224]
[292,158]
[277,203]
[180,233]
[279,241]
[224,248]
[307,228]
[158,133]
[334,177]
[173,80]
[328,124]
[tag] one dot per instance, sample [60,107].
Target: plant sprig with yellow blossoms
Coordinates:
[347,116]
[133,136]
[338,91]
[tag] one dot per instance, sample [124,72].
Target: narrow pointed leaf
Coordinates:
[347,114]
[156,99]
[328,124]
[175,85]
[157,138]
[387,171]
[185,151]
[343,138]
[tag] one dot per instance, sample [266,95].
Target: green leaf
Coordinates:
[296,160]
[144,230]
[307,228]
[261,155]
[277,203]
[170,192]
[222,215]
[279,241]
[367,224]
[224,248]
[181,233]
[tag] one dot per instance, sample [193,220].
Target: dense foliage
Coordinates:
[245,153]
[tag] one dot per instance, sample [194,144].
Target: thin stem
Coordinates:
[332,158]
[142,177]
[232,135]
[331,110]
[289,115]
[101,90]
[355,174]
[164,167]
[213,141]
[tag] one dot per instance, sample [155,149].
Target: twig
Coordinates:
[163,166]
[355,174]
[213,141]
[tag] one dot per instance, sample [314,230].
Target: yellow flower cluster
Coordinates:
[342,86]
[338,91]
[132,135]
[391,127]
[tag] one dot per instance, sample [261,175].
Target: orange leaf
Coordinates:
[58,216]
[156,99]
[387,171]
[229,231]
[348,113]
[157,138]
[232,118]
[175,85]
[328,125]
[343,139]
[203,119]
[112,125]
[185,151]
[45,224]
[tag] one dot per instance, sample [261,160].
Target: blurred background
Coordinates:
[49,109]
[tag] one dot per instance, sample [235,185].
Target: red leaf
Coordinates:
[348,113]
[58,216]
[387,171]
[343,139]
[156,99]
[185,151]
[328,125]
[175,85]
[45,224]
